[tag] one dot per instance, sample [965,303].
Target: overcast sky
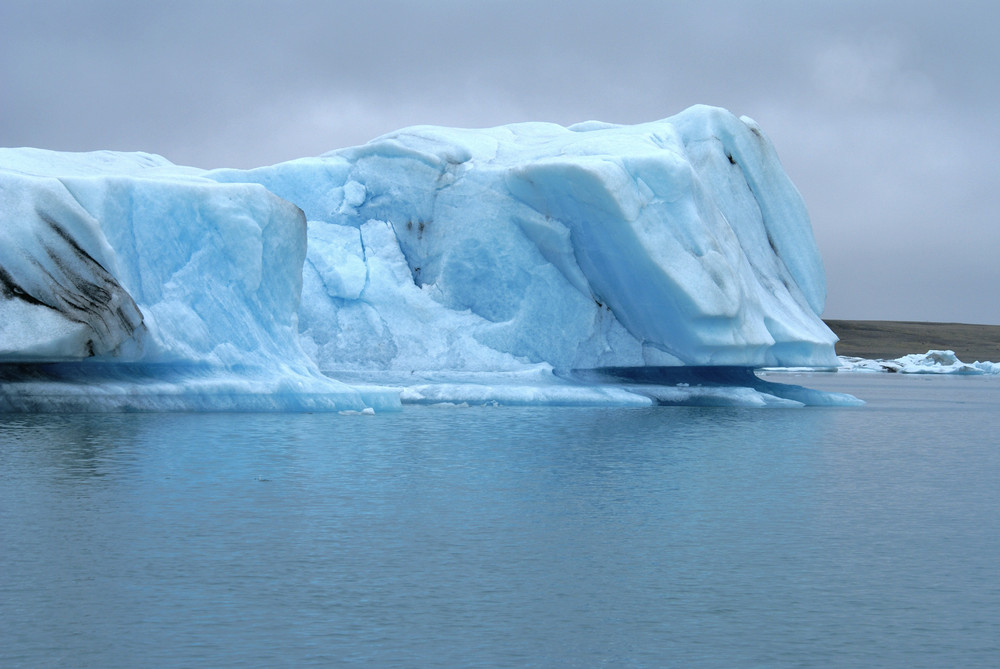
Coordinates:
[884,114]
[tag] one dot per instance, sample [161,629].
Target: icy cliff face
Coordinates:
[111,260]
[525,253]
[680,242]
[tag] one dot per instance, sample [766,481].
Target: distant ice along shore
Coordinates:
[932,362]
[893,346]
[888,340]
[601,264]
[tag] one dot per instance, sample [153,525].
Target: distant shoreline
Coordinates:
[892,339]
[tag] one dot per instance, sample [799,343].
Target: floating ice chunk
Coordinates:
[932,362]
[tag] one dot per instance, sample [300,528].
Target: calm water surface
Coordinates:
[511,537]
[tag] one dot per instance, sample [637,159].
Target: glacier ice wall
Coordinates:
[129,283]
[679,242]
[526,252]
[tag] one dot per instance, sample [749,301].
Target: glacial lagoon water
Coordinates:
[503,537]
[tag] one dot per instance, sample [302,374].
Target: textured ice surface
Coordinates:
[528,263]
[150,286]
[667,243]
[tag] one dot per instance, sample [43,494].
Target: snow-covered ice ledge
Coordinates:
[428,265]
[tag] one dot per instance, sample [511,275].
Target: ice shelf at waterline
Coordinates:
[528,263]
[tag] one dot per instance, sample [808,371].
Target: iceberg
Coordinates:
[532,263]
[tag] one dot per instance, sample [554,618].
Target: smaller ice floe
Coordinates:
[367,411]
[932,362]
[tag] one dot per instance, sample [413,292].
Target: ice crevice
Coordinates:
[428,265]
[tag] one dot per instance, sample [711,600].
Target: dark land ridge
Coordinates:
[886,340]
